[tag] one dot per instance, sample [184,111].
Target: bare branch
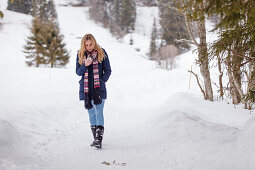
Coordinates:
[185,41]
[188,25]
[198,83]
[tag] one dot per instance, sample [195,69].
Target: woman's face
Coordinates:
[89,45]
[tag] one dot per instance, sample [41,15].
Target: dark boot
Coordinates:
[99,136]
[93,129]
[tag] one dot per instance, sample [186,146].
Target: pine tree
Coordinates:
[118,15]
[1,14]
[45,9]
[131,41]
[123,16]
[22,6]
[46,46]
[98,11]
[106,19]
[128,15]
[153,46]
[115,20]
[236,44]
[56,54]
[34,48]
[115,11]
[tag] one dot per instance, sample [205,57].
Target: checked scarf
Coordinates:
[96,90]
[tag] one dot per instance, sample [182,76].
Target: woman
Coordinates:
[93,65]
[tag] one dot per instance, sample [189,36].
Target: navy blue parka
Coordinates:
[104,73]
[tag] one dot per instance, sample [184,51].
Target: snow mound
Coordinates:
[240,154]
[15,151]
[11,142]
[214,112]
[8,134]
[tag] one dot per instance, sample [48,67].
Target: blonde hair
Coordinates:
[82,50]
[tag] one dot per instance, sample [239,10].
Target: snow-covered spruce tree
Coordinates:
[51,47]
[128,15]
[123,16]
[173,25]
[22,6]
[98,12]
[117,15]
[153,45]
[1,14]
[115,21]
[44,9]
[34,48]
[106,19]
[236,45]
[56,54]
[131,41]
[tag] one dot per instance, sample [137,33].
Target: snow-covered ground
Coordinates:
[152,120]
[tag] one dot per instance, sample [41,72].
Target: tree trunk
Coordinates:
[203,59]
[233,91]
[220,78]
[251,84]
[237,76]
[235,83]
[201,46]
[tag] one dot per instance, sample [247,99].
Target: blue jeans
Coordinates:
[96,116]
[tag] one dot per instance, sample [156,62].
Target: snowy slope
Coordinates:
[142,34]
[152,120]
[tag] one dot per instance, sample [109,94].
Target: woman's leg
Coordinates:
[93,122]
[99,113]
[96,119]
[92,116]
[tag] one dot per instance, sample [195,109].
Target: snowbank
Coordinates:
[12,144]
[214,112]
[240,154]
[8,134]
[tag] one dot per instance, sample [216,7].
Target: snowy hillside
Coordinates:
[142,34]
[152,120]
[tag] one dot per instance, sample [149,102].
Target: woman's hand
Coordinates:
[88,61]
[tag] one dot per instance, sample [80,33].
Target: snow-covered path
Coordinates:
[47,128]
[179,142]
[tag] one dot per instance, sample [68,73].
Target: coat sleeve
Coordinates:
[80,69]
[106,68]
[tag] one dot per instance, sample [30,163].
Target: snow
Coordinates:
[240,154]
[152,119]
[143,28]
